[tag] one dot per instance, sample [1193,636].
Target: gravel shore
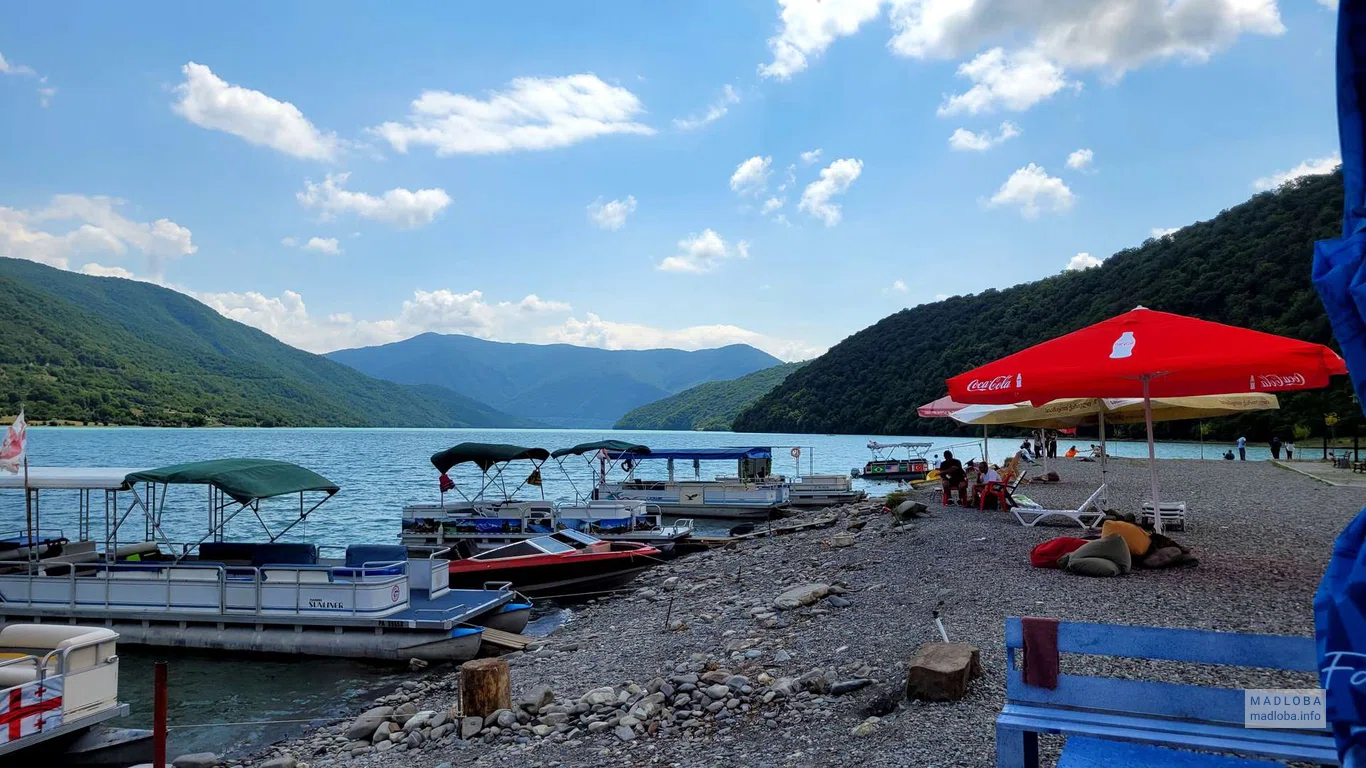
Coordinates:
[1262,535]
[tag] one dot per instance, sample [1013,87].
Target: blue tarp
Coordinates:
[1340,278]
[703,454]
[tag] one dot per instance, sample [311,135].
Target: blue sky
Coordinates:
[601,173]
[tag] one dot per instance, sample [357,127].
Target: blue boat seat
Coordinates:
[385,560]
[259,554]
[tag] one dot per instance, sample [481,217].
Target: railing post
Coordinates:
[159,715]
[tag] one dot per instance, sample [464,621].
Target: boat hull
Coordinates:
[572,577]
[819,499]
[512,617]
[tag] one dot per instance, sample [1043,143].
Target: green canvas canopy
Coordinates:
[245,480]
[612,446]
[485,455]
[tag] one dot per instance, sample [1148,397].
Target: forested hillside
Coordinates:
[1248,266]
[114,351]
[712,406]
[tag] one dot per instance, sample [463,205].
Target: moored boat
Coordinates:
[738,499]
[615,519]
[566,563]
[886,465]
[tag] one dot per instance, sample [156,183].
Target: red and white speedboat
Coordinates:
[564,563]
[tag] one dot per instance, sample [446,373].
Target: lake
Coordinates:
[379,470]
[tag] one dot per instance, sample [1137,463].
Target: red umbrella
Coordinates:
[942,408]
[1149,353]
[1146,353]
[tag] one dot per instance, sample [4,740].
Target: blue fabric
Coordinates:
[1339,275]
[700,453]
[1087,752]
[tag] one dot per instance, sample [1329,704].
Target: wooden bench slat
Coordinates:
[1189,645]
[1140,697]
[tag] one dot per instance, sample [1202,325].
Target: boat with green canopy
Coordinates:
[488,517]
[614,519]
[377,601]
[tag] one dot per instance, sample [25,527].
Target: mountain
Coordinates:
[556,384]
[711,406]
[109,350]
[1248,266]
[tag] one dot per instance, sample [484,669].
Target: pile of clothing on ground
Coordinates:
[1121,547]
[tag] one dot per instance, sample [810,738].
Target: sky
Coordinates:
[635,175]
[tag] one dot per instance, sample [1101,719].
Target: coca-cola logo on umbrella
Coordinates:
[1279,381]
[996,384]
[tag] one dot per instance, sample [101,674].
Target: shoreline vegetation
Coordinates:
[792,650]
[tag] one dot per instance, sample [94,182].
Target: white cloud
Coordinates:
[531,114]
[1114,35]
[400,207]
[6,68]
[45,96]
[1081,160]
[289,241]
[810,157]
[100,270]
[898,286]
[835,179]
[703,253]
[1161,232]
[964,140]
[593,331]
[1081,261]
[101,230]
[1012,81]
[209,102]
[45,92]
[1033,191]
[940,296]
[808,27]
[326,245]
[751,176]
[611,215]
[772,204]
[1331,5]
[1315,167]
[716,111]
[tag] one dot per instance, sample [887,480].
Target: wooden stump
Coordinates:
[485,687]
[942,671]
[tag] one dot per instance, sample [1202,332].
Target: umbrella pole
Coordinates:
[986,446]
[1152,452]
[1105,495]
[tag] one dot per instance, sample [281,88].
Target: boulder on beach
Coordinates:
[796,597]
[196,760]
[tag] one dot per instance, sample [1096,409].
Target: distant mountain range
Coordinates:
[558,385]
[108,350]
[709,407]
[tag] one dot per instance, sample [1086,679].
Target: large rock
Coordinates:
[280,762]
[196,760]
[537,697]
[796,597]
[605,695]
[470,727]
[942,671]
[363,727]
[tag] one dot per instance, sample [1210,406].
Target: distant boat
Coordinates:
[727,499]
[885,465]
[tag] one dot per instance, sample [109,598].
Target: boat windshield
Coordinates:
[581,538]
[550,545]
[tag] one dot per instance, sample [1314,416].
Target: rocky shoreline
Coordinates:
[792,650]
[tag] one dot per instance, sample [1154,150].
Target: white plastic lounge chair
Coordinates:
[1173,514]
[1029,516]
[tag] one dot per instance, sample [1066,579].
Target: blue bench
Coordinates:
[1148,712]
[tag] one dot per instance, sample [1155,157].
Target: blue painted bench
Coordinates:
[1148,712]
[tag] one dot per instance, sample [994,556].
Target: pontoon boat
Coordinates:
[885,465]
[759,499]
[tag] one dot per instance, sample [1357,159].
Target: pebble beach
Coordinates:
[696,665]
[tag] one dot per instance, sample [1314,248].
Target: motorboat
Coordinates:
[886,464]
[618,519]
[566,563]
[757,499]
[59,684]
[376,601]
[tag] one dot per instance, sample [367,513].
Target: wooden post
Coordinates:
[159,715]
[485,687]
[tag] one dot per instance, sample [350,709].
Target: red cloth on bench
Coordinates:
[1046,554]
[1040,652]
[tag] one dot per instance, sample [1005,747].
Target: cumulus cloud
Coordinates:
[1314,167]
[703,253]
[1161,232]
[399,207]
[327,245]
[964,140]
[100,270]
[835,179]
[1081,160]
[810,157]
[771,205]
[533,113]
[612,214]
[45,92]
[808,27]
[208,101]
[898,286]
[751,176]
[594,331]
[715,111]
[1081,261]
[1033,191]
[94,227]
[1011,81]
[9,68]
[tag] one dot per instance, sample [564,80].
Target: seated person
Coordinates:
[953,478]
[1228,455]
[986,476]
[1071,452]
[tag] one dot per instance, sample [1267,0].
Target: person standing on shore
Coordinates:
[1289,447]
[1242,449]
[1053,445]
[1275,447]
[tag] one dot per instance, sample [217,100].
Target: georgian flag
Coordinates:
[30,708]
[16,441]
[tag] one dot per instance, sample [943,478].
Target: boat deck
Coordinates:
[455,606]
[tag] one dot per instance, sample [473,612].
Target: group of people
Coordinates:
[1277,445]
[1037,449]
[959,479]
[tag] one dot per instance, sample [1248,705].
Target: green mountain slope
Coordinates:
[557,384]
[711,406]
[1248,266]
[108,350]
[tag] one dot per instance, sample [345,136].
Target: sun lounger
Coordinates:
[1029,516]
[1173,515]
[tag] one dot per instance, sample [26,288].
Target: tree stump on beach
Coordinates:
[942,671]
[485,687]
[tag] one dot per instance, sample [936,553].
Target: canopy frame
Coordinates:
[494,461]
